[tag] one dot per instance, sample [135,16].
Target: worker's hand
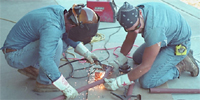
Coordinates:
[83,51]
[91,57]
[70,93]
[121,60]
[110,84]
[115,83]
[66,88]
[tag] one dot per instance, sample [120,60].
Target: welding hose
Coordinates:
[115,48]
[81,89]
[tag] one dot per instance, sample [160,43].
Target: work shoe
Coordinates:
[45,88]
[188,64]
[30,72]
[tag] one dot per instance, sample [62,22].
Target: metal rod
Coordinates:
[130,90]
[95,83]
[181,91]
[61,97]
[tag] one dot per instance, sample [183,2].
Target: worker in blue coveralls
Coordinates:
[166,51]
[36,42]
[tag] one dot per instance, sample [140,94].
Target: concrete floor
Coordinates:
[15,86]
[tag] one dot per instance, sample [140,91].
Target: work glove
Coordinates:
[115,83]
[121,60]
[83,51]
[66,88]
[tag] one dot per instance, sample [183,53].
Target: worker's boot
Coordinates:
[30,72]
[45,88]
[188,64]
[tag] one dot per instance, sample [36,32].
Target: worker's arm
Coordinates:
[128,43]
[69,41]
[126,47]
[148,58]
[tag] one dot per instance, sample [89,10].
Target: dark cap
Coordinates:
[127,15]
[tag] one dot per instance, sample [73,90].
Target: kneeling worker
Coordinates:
[36,42]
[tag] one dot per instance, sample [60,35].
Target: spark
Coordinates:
[101,86]
[99,75]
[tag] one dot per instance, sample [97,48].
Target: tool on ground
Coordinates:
[108,70]
[125,68]
[180,91]
[127,94]
[106,9]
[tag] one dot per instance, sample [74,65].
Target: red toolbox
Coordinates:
[106,9]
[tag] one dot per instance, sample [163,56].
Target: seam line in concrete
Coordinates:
[181,9]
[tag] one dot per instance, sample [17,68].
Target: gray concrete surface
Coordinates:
[15,86]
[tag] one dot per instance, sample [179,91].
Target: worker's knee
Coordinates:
[136,59]
[147,83]
[138,54]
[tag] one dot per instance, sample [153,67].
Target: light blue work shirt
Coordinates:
[45,24]
[164,24]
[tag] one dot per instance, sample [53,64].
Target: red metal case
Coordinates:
[106,9]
